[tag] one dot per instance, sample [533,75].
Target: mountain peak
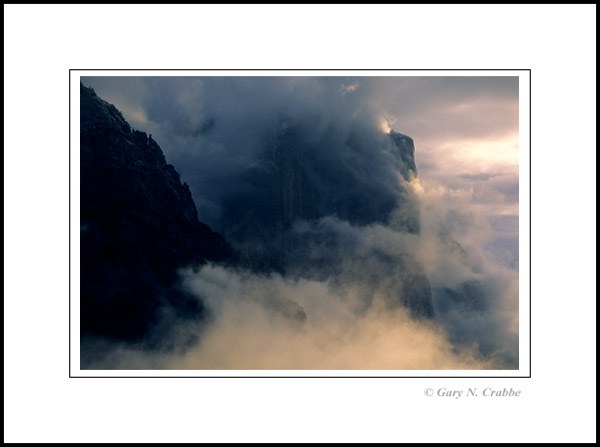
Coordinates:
[406,151]
[139,225]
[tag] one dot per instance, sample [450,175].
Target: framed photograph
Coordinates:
[328,223]
[306,223]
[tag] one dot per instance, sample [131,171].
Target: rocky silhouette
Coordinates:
[138,226]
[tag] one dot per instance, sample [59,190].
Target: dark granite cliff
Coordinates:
[138,226]
[406,151]
[298,180]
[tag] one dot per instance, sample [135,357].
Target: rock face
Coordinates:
[139,223]
[138,226]
[299,181]
[407,215]
[406,151]
[296,180]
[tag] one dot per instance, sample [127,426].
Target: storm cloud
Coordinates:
[337,298]
[213,128]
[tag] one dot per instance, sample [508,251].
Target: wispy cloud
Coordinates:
[349,88]
[215,130]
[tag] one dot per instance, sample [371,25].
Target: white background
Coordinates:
[42,404]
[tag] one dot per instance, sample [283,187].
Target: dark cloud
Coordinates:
[224,134]
[196,119]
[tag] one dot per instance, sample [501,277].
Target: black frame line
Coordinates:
[301,377]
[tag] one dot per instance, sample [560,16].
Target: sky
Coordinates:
[465,129]
[214,130]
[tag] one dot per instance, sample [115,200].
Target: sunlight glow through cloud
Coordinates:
[384,125]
